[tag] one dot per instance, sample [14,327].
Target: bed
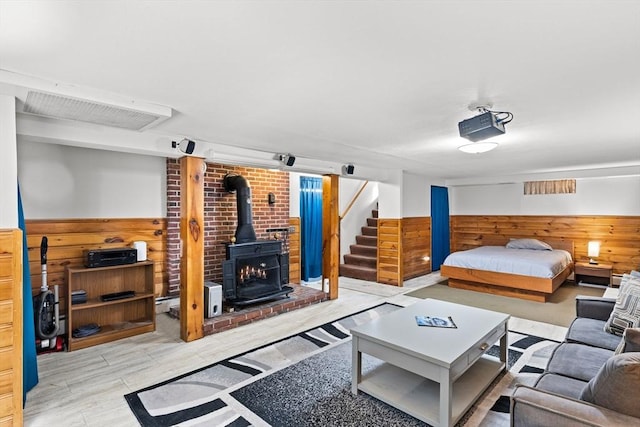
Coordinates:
[530,269]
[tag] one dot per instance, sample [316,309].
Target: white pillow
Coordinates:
[528,244]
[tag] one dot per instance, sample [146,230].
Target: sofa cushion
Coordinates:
[591,332]
[578,360]
[630,341]
[626,312]
[615,385]
[559,384]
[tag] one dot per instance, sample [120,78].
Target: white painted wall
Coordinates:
[417,195]
[356,218]
[594,196]
[58,181]
[8,163]
[390,198]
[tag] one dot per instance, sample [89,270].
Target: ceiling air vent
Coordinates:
[64,107]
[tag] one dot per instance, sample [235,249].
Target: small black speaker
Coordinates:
[291,160]
[349,169]
[186,145]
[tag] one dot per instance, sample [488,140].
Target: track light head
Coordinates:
[187,146]
[288,159]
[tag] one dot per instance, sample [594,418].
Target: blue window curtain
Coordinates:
[29,358]
[440,246]
[311,227]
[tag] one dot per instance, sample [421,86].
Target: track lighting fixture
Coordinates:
[186,146]
[287,159]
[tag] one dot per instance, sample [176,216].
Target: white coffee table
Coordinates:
[433,374]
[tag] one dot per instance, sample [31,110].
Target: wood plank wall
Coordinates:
[390,267]
[68,238]
[619,236]
[11,328]
[294,251]
[416,245]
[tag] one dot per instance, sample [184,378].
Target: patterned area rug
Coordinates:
[305,380]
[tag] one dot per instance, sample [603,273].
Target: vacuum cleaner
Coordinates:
[46,310]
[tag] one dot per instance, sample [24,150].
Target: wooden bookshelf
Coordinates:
[119,318]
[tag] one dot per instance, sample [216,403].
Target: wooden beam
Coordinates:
[192,170]
[330,233]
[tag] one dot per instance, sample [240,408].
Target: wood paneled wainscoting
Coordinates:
[403,245]
[68,238]
[11,327]
[619,236]
[294,251]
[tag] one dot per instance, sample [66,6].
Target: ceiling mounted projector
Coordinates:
[485,125]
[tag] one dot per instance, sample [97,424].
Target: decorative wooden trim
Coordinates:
[390,266]
[416,245]
[11,322]
[192,230]
[330,233]
[68,238]
[294,251]
[619,236]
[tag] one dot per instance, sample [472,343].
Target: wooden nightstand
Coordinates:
[593,274]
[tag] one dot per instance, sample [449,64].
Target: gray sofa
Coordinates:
[585,383]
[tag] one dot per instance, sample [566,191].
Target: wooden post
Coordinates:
[192,170]
[330,233]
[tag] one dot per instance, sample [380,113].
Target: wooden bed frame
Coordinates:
[507,284]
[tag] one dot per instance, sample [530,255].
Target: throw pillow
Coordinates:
[611,386]
[626,311]
[528,244]
[630,341]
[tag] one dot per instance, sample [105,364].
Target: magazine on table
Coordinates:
[436,321]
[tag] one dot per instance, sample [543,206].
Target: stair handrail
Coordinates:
[353,200]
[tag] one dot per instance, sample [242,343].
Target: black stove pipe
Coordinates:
[244,232]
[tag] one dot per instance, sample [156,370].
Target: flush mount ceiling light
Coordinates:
[478,147]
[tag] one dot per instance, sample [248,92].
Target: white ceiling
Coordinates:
[381,84]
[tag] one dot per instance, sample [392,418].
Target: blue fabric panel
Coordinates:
[311,226]
[29,358]
[439,226]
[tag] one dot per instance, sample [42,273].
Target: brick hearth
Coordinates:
[302,296]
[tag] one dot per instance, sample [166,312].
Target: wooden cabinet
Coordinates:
[11,327]
[119,318]
[595,274]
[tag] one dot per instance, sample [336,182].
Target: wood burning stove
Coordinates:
[255,270]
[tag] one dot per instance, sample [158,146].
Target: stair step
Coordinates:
[364,250]
[361,260]
[367,240]
[374,213]
[369,231]
[372,222]
[358,272]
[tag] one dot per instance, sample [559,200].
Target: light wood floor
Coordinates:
[87,387]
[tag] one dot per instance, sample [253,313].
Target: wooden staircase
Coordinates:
[361,263]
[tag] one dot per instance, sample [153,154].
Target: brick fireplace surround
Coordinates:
[220,224]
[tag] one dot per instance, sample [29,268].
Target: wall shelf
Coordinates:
[119,318]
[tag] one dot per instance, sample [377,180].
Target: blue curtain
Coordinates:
[439,226]
[311,227]
[29,358]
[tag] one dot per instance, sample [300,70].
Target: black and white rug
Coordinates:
[305,380]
